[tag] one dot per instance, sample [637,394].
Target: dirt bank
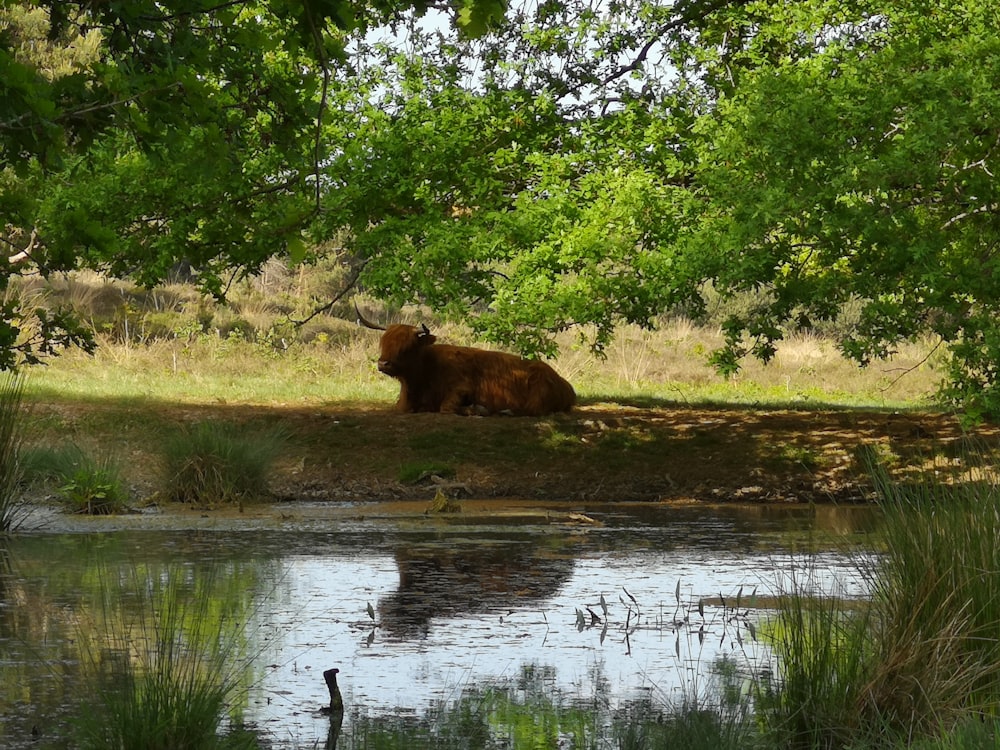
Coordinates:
[600,452]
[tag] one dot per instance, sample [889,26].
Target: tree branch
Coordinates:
[23,254]
[906,371]
[351,283]
[200,12]
[10,124]
[965,215]
[317,35]
[687,13]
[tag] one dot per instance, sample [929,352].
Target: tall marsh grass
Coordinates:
[919,659]
[937,591]
[822,654]
[169,662]
[212,463]
[12,506]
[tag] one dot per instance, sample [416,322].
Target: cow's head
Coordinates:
[400,345]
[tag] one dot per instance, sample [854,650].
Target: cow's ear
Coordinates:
[424,335]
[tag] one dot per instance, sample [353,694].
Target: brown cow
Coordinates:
[464,380]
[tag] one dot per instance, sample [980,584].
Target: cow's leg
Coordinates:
[456,402]
[404,403]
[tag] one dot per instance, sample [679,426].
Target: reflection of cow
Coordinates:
[454,580]
[464,380]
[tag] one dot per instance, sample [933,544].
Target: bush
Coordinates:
[87,485]
[96,489]
[214,463]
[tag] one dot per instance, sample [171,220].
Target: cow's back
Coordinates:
[499,382]
[549,392]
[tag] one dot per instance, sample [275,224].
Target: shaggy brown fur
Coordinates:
[464,380]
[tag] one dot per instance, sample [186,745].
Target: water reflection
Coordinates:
[83,617]
[455,607]
[466,577]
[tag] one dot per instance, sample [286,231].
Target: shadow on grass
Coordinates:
[645,401]
[631,449]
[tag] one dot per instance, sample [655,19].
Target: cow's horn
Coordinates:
[365,322]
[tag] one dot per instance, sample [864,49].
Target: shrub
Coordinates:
[87,485]
[213,463]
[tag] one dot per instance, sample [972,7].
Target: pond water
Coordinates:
[416,612]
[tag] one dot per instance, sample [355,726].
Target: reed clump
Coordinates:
[212,463]
[168,667]
[937,591]
[12,505]
[921,657]
[822,658]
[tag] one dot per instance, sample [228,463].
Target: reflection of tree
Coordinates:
[6,593]
[449,579]
[526,711]
[38,665]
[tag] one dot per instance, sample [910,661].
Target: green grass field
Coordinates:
[667,365]
[174,344]
[655,419]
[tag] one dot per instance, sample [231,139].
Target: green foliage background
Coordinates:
[530,168]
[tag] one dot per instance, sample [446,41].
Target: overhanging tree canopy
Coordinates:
[816,153]
[865,172]
[169,130]
[581,165]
